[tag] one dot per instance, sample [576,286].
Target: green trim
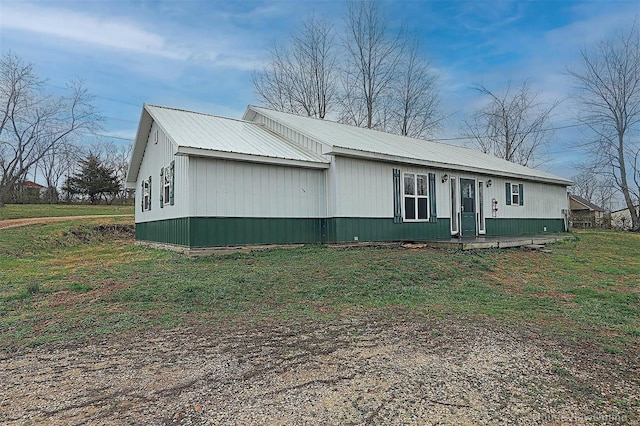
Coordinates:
[221,231]
[522,226]
[230,231]
[521,194]
[507,188]
[433,218]
[226,231]
[344,229]
[169,231]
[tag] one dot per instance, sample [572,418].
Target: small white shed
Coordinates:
[206,181]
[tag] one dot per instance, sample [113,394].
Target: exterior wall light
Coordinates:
[445,177]
[489,182]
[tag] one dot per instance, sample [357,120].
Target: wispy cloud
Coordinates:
[126,35]
[110,32]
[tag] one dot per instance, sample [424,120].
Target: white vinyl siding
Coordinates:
[225,188]
[157,157]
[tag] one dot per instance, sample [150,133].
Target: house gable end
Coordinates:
[295,136]
[143,136]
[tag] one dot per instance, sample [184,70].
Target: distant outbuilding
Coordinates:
[272,177]
[584,214]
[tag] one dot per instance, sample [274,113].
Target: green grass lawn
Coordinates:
[18,211]
[64,281]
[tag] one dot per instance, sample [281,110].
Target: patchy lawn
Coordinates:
[319,334]
[19,211]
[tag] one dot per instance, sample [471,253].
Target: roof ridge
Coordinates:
[199,113]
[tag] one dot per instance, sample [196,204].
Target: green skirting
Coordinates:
[499,227]
[230,231]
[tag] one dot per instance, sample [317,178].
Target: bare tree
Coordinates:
[32,123]
[594,186]
[415,100]
[513,125]
[301,79]
[608,93]
[372,62]
[55,164]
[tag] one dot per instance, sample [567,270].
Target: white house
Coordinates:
[273,177]
[622,218]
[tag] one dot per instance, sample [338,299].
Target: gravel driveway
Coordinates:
[354,371]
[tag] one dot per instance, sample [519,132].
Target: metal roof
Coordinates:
[207,135]
[344,139]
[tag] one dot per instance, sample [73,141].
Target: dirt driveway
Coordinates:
[12,223]
[354,371]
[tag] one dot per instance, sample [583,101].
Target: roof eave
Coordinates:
[347,152]
[236,156]
[139,145]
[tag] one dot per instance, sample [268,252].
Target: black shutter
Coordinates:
[150,192]
[433,213]
[397,200]
[173,175]
[508,188]
[142,197]
[521,188]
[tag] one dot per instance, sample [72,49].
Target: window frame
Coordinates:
[166,185]
[416,197]
[515,196]
[146,195]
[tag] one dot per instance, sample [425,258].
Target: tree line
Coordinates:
[40,136]
[367,76]
[372,77]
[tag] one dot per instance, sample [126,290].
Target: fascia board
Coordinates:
[347,152]
[207,153]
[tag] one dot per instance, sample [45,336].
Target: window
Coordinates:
[515,194]
[146,194]
[167,184]
[416,196]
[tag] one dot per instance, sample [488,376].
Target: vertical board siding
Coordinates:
[530,226]
[344,229]
[155,157]
[208,231]
[237,189]
[222,231]
[541,200]
[169,231]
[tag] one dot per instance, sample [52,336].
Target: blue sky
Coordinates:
[200,55]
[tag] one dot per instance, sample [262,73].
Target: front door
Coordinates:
[468,207]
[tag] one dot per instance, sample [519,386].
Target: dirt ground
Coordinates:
[13,223]
[354,371]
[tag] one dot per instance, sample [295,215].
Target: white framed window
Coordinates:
[515,194]
[166,185]
[146,195]
[416,196]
